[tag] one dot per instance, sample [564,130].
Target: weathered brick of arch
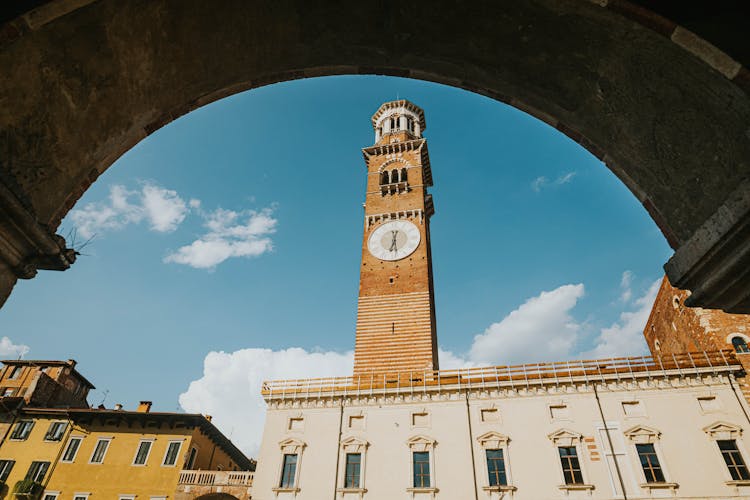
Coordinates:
[83,82]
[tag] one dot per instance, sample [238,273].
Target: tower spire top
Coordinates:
[398,117]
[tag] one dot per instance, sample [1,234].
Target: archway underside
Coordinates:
[666,112]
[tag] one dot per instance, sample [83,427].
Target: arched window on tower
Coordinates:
[395,176]
[394,124]
[403,175]
[740,345]
[384,178]
[410,125]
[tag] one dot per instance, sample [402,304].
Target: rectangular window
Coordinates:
[496,467]
[15,372]
[357,422]
[288,470]
[559,412]
[22,429]
[650,463]
[72,450]
[81,496]
[99,451]
[173,451]
[5,467]
[420,419]
[570,465]
[353,465]
[633,409]
[421,461]
[191,459]
[733,459]
[55,431]
[37,471]
[51,496]
[708,404]
[490,415]
[141,455]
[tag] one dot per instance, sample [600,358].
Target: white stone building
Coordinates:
[567,430]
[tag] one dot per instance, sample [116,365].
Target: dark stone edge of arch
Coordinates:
[712,263]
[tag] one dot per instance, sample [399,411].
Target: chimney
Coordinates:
[208,417]
[118,406]
[72,363]
[144,407]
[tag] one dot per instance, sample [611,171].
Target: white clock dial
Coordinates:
[394,240]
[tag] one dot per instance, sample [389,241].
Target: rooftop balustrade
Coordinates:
[512,376]
[215,478]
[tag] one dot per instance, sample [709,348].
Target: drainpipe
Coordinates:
[338,451]
[471,448]
[611,448]
[63,440]
[739,400]
[14,414]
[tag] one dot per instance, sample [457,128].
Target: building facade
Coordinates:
[399,428]
[594,430]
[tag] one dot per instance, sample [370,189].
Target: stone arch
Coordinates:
[665,110]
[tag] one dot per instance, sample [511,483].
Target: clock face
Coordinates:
[394,240]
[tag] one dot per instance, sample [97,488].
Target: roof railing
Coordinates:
[526,375]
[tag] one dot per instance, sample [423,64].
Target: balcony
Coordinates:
[194,484]
[216,478]
[394,187]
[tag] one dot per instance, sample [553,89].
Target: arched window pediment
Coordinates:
[565,437]
[493,440]
[292,445]
[640,434]
[421,443]
[723,430]
[354,445]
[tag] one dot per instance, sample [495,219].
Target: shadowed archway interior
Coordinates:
[664,109]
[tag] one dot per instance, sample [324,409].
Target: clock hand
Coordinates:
[393,241]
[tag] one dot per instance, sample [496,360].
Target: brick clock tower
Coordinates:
[396,308]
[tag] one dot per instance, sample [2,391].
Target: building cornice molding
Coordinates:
[376,398]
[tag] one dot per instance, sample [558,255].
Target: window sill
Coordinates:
[351,490]
[422,490]
[738,482]
[576,487]
[504,487]
[661,486]
[285,490]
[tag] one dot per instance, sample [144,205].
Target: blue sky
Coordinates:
[539,251]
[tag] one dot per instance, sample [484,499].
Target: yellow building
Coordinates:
[81,454]
[54,447]
[45,383]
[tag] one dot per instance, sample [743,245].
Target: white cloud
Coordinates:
[451,361]
[625,283]
[542,182]
[230,234]
[162,208]
[541,329]
[231,383]
[538,183]
[625,337]
[10,350]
